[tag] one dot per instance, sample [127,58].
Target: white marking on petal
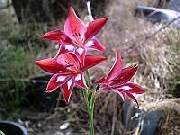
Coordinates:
[80,50]
[69,83]
[78,77]
[69,47]
[136,95]
[126,88]
[60,78]
[89,43]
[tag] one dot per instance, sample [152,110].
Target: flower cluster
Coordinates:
[71,61]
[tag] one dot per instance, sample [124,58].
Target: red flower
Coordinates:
[76,33]
[118,80]
[68,71]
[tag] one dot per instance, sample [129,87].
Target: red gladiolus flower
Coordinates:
[76,33]
[68,71]
[118,80]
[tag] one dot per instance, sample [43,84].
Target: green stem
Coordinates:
[91,114]
[89,96]
[88,78]
[90,102]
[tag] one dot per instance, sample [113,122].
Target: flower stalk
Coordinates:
[90,97]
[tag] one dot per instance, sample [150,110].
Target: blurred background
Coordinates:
[149,37]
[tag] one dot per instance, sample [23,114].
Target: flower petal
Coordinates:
[50,65]
[80,81]
[55,82]
[80,53]
[126,74]
[132,97]
[69,59]
[95,44]
[64,49]
[57,36]
[116,68]
[129,87]
[120,93]
[92,60]
[101,80]
[67,90]
[135,88]
[73,25]
[94,27]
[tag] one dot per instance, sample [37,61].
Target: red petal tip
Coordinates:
[71,11]
[105,19]
[71,8]
[50,65]
[42,36]
[47,91]
[38,62]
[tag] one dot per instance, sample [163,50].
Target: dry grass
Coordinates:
[157,58]
[155,54]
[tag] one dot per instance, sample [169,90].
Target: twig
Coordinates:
[89,10]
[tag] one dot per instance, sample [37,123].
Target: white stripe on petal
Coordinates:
[69,84]
[80,50]
[69,47]
[60,78]
[126,88]
[89,43]
[78,77]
